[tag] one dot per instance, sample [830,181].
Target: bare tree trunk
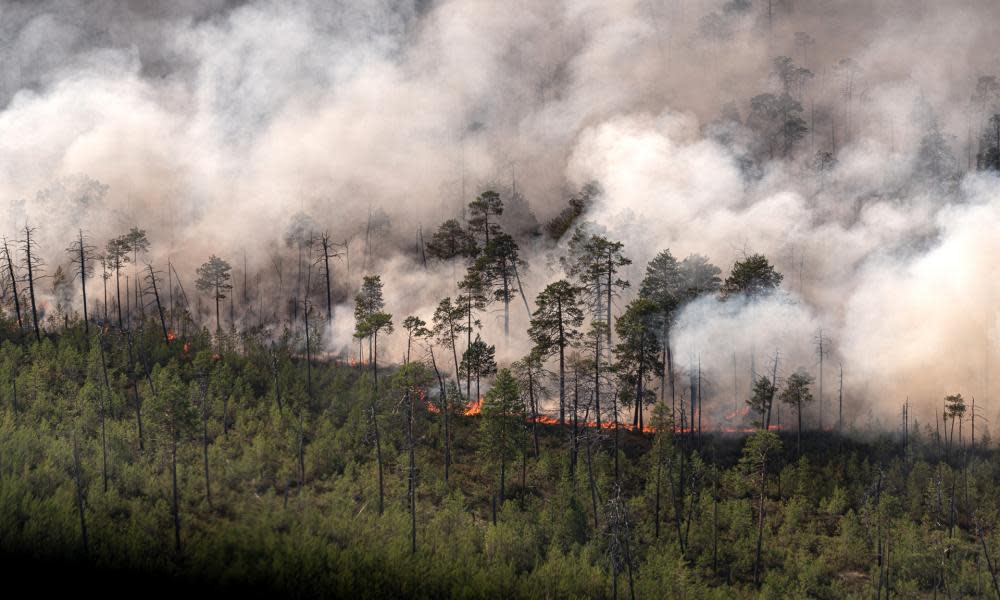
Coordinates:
[83,283]
[534,408]
[218,320]
[989,562]
[159,307]
[31,283]
[118,293]
[13,284]
[562,365]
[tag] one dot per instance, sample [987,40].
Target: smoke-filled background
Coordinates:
[221,126]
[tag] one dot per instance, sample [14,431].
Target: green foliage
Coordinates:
[825,514]
[753,276]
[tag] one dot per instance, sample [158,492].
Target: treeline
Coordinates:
[240,456]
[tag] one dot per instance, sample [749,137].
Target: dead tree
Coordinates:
[81,254]
[33,265]
[618,548]
[151,278]
[13,284]
[329,251]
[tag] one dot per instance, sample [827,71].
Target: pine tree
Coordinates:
[501,430]
[555,326]
[214,276]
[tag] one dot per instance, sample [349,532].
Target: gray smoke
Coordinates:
[212,124]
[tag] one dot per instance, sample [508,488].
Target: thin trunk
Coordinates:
[670,369]
[608,291]
[454,354]
[305,317]
[31,283]
[840,402]
[218,320]
[520,288]
[83,283]
[159,306]
[989,563]
[13,285]
[170,295]
[503,477]
[576,411]
[562,364]
[329,292]
[118,292]
[798,433]
[506,300]
[468,343]
[614,409]
[597,381]
[534,407]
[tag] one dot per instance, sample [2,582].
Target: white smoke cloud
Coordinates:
[211,123]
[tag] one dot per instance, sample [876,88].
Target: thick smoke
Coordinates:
[213,124]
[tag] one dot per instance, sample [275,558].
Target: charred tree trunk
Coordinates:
[305,317]
[13,285]
[218,320]
[597,382]
[562,364]
[534,409]
[83,282]
[118,292]
[31,283]
[159,306]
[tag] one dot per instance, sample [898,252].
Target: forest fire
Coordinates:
[171,336]
[474,408]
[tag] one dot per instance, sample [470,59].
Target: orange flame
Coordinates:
[171,336]
[474,408]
